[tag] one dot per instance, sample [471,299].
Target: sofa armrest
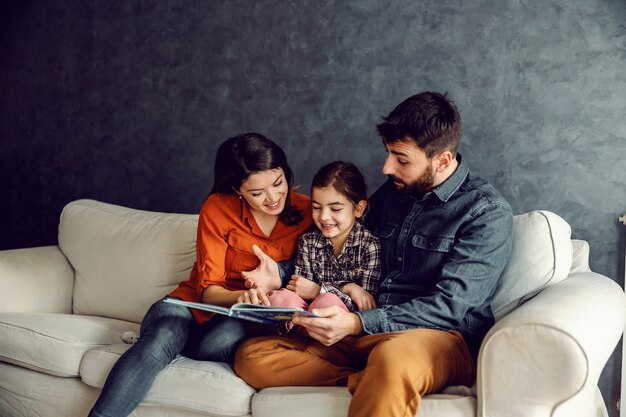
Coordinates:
[546,356]
[35,280]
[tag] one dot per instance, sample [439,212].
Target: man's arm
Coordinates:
[468,278]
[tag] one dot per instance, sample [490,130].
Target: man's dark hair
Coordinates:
[430,119]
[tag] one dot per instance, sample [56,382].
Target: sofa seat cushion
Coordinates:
[55,343]
[209,388]
[334,402]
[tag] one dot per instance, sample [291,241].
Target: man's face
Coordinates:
[408,167]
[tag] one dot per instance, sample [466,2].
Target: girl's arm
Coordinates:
[365,287]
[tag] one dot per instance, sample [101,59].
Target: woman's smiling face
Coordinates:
[265,191]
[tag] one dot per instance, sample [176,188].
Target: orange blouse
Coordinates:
[226,232]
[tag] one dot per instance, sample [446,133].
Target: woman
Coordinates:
[251,203]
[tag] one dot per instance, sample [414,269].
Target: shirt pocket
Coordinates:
[428,255]
[239,255]
[436,244]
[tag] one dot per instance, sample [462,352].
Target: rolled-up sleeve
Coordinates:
[211,246]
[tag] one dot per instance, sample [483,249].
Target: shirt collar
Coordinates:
[354,237]
[445,190]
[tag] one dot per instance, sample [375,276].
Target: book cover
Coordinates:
[252,312]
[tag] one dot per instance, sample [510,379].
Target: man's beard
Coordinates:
[420,186]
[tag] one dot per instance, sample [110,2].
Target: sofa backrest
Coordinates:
[124,259]
[541,256]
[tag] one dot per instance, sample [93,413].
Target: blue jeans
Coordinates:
[166,331]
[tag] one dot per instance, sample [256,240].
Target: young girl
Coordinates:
[251,203]
[338,264]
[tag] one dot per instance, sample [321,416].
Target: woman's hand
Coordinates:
[265,275]
[362,298]
[305,288]
[254,296]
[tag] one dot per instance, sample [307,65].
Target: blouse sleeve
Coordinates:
[211,245]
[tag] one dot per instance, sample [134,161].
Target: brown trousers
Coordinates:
[387,374]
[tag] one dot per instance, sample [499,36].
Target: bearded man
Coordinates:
[446,237]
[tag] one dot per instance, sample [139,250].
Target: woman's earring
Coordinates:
[239,196]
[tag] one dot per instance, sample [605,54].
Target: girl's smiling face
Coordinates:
[334,214]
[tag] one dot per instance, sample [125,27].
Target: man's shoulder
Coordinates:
[482,191]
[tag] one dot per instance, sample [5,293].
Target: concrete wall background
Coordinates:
[127,101]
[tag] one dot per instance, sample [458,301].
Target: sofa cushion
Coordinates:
[541,256]
[124,259]
[55,343]
[334,402]
[205,387]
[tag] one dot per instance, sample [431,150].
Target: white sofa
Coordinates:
[63,310]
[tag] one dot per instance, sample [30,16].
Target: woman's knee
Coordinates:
[218,339]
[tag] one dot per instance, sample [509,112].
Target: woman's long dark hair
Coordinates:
[240,156]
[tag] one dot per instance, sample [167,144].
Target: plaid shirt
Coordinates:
[359,262]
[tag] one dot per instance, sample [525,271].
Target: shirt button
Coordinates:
[399,258]
[390,280]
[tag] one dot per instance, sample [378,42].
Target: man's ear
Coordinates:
[360,208]
[443,160]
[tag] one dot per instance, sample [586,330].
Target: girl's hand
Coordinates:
[305,288]
[363,299]
[254,296]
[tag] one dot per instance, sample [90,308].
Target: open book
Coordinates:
[251,312]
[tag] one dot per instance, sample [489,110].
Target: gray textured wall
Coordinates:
[126,101]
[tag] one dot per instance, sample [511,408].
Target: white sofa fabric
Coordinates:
[64,308]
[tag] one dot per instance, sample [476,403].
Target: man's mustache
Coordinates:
[394,179]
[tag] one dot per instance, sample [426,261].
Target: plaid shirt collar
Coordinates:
[355,237]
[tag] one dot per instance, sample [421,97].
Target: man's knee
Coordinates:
[247,363]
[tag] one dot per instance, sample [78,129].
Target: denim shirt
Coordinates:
[442,256]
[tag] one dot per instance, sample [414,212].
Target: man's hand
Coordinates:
[362,298]
[266,275]
[305,288]
[333,325]
[254,296]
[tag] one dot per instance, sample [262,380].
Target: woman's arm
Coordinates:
[214,294]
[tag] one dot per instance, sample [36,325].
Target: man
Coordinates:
[446,237]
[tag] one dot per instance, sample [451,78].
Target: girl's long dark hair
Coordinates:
[240,156]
